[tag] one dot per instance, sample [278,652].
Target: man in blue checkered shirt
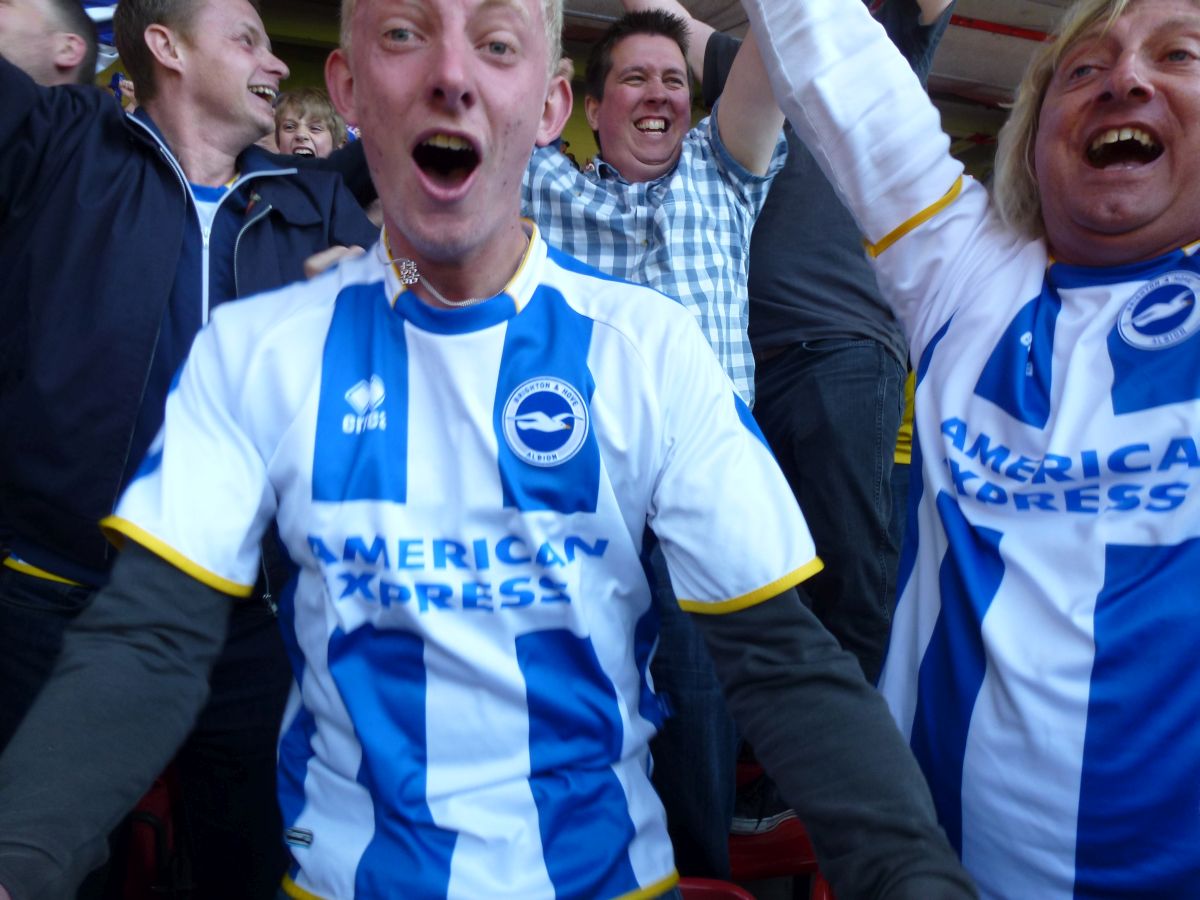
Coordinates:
[664,203]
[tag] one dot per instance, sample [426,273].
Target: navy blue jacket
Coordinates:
[92,215]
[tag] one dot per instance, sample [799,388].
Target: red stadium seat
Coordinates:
[711,889]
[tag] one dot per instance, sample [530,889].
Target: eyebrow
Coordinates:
[643,67]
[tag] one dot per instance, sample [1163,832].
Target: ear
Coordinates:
[591,109]
[164,46]
[68,51]
[339,81]
[556,110]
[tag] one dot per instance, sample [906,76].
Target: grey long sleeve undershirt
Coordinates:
[827,739]
[133,676]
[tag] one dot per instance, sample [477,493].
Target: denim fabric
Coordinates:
[34,613]
[831,411]
[695,754]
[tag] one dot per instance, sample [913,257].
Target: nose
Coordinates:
[449,75]
[275,66]
[656,89]
[1127,79]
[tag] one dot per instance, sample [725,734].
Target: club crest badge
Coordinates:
[545,421]
[1162,313]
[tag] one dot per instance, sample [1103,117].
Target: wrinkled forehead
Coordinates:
[528,13]
[1152,15]
[37,10]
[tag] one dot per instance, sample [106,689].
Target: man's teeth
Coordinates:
[1114,135]
[448,142]
[263,91]
[652,125]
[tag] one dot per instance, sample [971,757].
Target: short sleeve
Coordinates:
[201,498]
[728,522]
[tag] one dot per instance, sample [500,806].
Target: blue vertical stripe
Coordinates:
[295,744]
[1017,375]
[953,667]
[361,452]
[916,478]
[1139,797]
[380,675]
[645,640]
[548,340]
[747,419]
[575,736]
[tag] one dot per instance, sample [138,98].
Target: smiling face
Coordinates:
[1118,138]
[451,96]
[301,135]
[646,109]
[230,71]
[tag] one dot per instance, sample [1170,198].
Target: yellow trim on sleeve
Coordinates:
[920,218]
[654,890]
[117,529]
[19,565]
[766,592]
[294,890]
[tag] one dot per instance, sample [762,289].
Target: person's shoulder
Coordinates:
[636,310]
[275,317]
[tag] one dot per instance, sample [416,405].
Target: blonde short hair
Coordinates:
[552,12]
[1016,188]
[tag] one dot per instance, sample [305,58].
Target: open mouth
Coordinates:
[1123,146]
[303,151]
[447,159]
[267,92]
[651,125]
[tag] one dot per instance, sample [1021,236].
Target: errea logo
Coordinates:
[366,399]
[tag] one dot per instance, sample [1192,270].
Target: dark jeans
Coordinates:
[831,410]
[34,613]
[695,753]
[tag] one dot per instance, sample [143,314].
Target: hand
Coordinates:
[313,266]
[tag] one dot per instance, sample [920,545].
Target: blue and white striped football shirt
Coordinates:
[465,493]
[1043,653]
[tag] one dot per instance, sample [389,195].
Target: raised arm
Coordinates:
[748,117]
[931,9]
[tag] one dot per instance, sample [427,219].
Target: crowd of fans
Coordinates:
[434,516]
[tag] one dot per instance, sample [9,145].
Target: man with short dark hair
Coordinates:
[1043,655]
[664,203]
[53,41]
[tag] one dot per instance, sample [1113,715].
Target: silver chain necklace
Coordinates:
[454,304]
[409,274]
